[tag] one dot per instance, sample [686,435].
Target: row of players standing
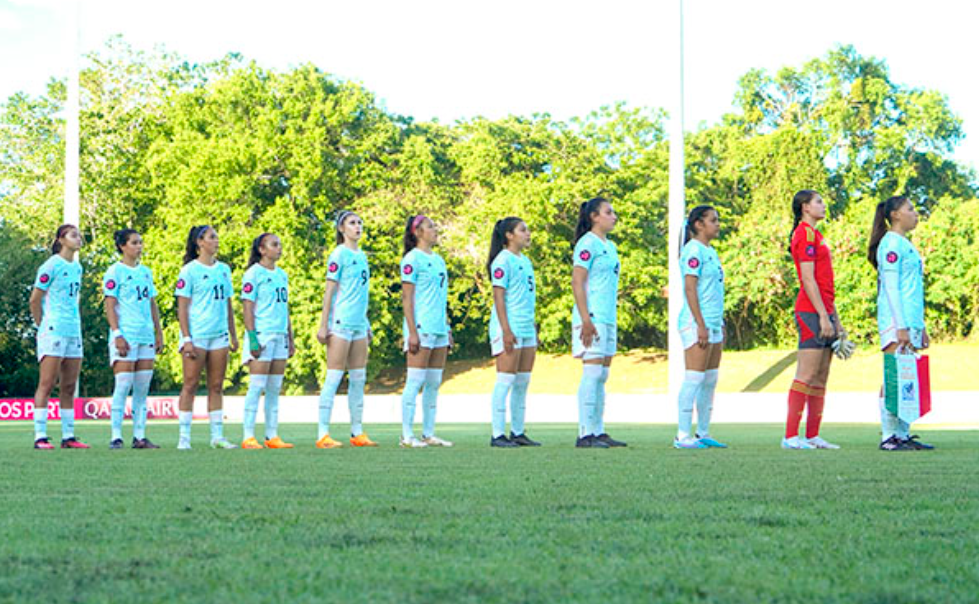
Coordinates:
[208,334]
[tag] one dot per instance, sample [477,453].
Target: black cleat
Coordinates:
[608,440]
[914,444]
[502,441]
[522,440]
[895,444]
[590,442]
[116,443]
[144,443]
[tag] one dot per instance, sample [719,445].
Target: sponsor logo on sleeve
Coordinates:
[334,267]
[407,269]
[45,278]
[248,288]
[693,263]
[110,284]
[892,257]
[811,251]
[585,255]
[498,273]
[181,283]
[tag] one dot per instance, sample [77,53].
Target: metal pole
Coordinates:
[677,209]
[71,203]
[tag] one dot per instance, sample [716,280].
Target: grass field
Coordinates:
[473,524]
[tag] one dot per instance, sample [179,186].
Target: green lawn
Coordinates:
[473,524]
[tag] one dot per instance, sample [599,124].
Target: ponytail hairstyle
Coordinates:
[696,214]
[191,252]
[592,206]
[801,198]
[343,215]
[411,240]
[882,223]
[256,253]
[498,239]
[61,232]
[122,236]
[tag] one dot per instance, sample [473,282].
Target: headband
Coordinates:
[340,218]
[417,221]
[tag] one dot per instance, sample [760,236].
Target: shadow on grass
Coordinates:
[392,379]
[757,384]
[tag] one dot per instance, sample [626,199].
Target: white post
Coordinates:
[71,203]
[677,209]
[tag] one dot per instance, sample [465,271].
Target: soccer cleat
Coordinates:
[893,443]
[144,443]
[503,442]
[43,443]
[328,443]
[223,443]
[251,443]
[523,441]
[688,443]
[590,441]
[116,443]
[818,443]
[362,440]
[73,443]
[183,444]
[276,442]
[796,443]
[412,443]
[435,441]
[710,443]
[915,444]
[608,440]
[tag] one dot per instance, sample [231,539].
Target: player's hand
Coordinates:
[589,334]
[904,340]
[233,343]
[322,336]
[122,346]
[292,347]
[925,340]
[509,341]
[158,344]
[189,351]
[703,336]
[452,342]
[827,331]
[414,342]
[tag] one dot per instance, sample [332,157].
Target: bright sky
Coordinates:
[457,59]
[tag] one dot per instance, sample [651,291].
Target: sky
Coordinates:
[459,59]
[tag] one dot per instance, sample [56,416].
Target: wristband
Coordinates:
[115,333]
[185,340]
[253,344]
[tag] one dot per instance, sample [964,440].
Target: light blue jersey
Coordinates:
[133,289]
[900,292]
[601,260]
[515,274]
[702,262]
[209,288]
[349,269]
[269,290]
[62,281]
[427,273]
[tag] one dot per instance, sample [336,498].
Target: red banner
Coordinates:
[158,407]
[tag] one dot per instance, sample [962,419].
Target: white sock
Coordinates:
[217,424]
[888,421]
[40,422]
[257,383]
[705,401]
[67,423]
[692,381]
[123,384]
[355,399]
[599,421]
[327,394]
[518,403]
[504,381]
[587,392]
[414,380]
[430,397]
[141,390]
[272,390]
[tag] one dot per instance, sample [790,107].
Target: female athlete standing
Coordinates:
[595,283]
[135,335]
[207,331]
[512,330]
[54,307]
[819,325]
[900,302]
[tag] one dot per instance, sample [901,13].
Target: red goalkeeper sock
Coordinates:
[816,400]
[797,402]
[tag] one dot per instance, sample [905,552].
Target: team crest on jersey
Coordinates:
[585,255]
[110,284]
[811,251]
[248,288]
[498,273]
[892,257]
[181,284]
[333,267]
[407,269]
[45,278]
[693,263]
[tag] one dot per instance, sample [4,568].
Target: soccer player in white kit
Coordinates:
[900,302]
[207,331]
[701,325]
[268,335]
[135,335]
[54,308]
[595,283]
[345,330]
[512,328]
[426,332]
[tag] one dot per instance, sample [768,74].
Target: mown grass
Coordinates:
[473,524]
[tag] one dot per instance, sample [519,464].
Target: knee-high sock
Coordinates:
[67,422]
[40,422]
[141,389]
[599,421]
[123,384]
[693,382]
[414,381]
[184,419]
[330,385]
[518,402]
[816,402]
[430,399]
[256,386]
[504,381]
[705,401]
[587,393]
[888,421]
[272,390]
[355,399]
[217,424]
[797,403]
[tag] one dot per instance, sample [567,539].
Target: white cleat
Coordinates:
[817,442]
[796,443]
[223,443]
[183,444]
[435,441]
[412,443]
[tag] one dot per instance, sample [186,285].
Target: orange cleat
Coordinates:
[251,443]
[328,443]
[277,443]
[361,440]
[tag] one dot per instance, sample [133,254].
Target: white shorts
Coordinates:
[350,335]
[275,347]
[50,345]
[603,345]
[216,343]
[688,335]
[889,336]
[496,344]
[428,340]
[137,352]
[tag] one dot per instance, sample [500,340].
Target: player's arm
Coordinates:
[157,327]
[112,316]
[579,282]
[693,303]
[408,304]
[37,305]
[331,287]
[233,343]
[183,318]
[499,301]
[807,271]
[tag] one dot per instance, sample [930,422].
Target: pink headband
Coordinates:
[417,221]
